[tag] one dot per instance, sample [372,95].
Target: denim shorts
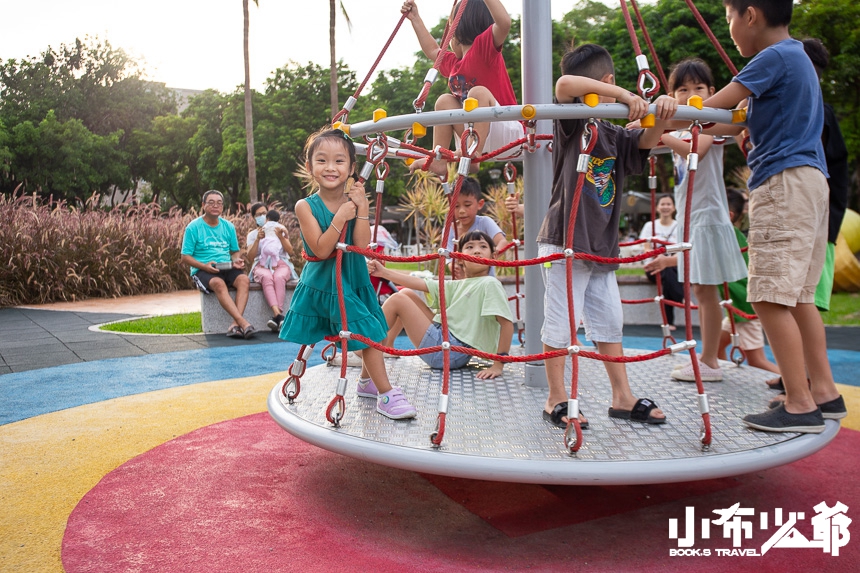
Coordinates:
[433,337]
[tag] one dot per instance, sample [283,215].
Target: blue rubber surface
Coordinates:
[36,392]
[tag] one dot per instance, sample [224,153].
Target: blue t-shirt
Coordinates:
[209,244]
[786,112]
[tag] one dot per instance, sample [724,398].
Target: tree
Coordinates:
[249,114]
[291,109]
[332,13]
[834,22]
[90,82]
[65,160]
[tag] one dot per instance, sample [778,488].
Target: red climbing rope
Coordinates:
[645,74]
[648,41]
[712,38]
[450,28]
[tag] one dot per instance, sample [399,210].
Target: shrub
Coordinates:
[56,252]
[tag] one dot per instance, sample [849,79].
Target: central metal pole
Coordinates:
[536,30]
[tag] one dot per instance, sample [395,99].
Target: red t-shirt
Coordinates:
[483,65]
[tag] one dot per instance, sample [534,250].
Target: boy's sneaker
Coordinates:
[779,420]
[366,388]
[393,404]
[275,322]
[352,359]
[834,409]
[707,373]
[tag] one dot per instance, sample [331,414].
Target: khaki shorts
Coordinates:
[750,333]
[787,236]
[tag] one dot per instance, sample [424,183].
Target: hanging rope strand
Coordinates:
[712,38]
[343,114]
[648,41]
[450,28]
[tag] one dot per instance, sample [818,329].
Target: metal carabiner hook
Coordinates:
[510,172]
[648,75]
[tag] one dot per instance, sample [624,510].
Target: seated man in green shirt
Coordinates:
[210,247]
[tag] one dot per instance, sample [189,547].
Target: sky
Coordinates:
[197,44]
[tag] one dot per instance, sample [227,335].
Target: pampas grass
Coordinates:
[56,252]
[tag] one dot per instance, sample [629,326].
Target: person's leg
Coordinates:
[605,326]
[264,277]
[280,277]
[672,290]
[219,287]
[242,284]
[812,333]
[787,343]
[442,135]
[710,322]
[485,99]
[725,341]
[555,333]
[757,359]
[403,311]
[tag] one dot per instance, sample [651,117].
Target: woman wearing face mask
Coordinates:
[274,272]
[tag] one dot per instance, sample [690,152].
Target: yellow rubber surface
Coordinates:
[50,462]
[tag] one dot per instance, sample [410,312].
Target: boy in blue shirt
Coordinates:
[788,208]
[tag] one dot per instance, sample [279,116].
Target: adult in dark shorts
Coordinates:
[210,247]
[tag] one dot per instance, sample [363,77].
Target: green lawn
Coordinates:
[844,310]
[188,323]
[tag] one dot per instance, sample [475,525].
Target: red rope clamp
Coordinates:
[292,385]
[469,142]
[531,136]
[376,152]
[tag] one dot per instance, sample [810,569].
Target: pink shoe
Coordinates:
[393,404]
[366,388]
[708,374]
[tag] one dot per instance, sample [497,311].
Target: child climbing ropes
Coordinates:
[788,208]
[617,152]
[337,204]
[475,69]
[477,309]
[715,257]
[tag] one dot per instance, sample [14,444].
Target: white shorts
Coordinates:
[501,133]
[596,301]
[750,333]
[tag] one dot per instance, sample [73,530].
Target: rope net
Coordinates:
[379,149]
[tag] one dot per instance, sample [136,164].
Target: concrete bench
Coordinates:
[258,312]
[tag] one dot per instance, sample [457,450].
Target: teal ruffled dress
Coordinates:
[314,310]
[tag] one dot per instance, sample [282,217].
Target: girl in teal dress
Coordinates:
[314,310]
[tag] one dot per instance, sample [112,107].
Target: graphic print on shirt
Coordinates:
[460,87]
[600,176]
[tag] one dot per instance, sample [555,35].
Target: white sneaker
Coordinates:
[352,359]
[707,373]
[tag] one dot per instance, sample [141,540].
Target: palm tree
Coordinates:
[332,13]
[249,115]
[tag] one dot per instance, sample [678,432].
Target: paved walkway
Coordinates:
[64,332]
